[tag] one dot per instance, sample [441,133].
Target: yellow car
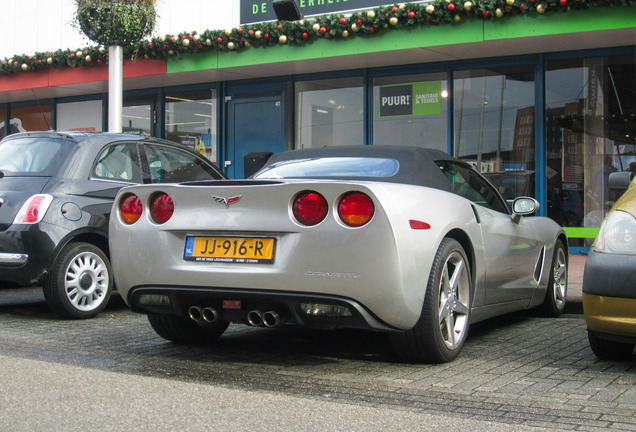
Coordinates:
[609,281]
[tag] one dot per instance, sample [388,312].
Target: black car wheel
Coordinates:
[555,296]
[442,328]
[607,349]
[185,331]
[80,283]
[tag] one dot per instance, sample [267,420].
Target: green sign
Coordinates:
[416,99]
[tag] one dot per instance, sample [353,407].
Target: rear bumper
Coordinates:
[26,254]
[13,259]
[291,307]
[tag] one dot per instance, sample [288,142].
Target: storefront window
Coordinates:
[3,128]
[329,113]
[80,116]
[494,126]
[590,124]
[191,120]
[138,116]
[30,118]
[411,110]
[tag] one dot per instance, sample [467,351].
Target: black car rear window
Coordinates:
[32,156]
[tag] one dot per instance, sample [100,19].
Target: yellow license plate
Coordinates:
[245,250]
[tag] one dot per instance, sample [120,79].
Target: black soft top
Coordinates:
[417,166]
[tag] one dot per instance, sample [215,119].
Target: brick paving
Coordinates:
[519,369]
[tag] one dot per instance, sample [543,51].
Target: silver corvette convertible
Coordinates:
[403,240]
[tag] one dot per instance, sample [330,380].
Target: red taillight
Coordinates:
[356,209]
[161,208]
[34,209]
[130,208]
[310,208]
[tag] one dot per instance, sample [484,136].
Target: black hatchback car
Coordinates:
[56,193]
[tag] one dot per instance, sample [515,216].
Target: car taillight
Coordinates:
[130,208]
[161,208]
[34,209]
[356,209]
[310,208]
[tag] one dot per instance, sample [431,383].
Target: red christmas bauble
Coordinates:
[563,2]
[280,26]
[305,35]
[486,14]
[343,21]
[323,30]
[219,40]
[411,15]
[394,8]
[451,7]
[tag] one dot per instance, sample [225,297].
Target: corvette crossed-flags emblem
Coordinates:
[226,201]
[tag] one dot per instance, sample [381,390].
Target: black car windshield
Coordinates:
[32,156]
[351,167]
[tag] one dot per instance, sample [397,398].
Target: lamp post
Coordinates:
[116,24]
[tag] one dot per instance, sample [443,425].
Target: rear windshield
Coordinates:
[331,167]
[32,156]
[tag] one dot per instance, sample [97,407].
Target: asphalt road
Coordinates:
[516,373]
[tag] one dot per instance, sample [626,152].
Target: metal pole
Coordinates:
[115,88]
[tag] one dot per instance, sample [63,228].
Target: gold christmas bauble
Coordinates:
[371,14]
[430,9]
[230,45]
[393,21]
[468,5]
[316,27]
[258,34]
[185,42]
[345,34]
[354,27]
[282,39]
[499,13]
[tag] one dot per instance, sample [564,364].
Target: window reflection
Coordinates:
[590,107]
[329,113]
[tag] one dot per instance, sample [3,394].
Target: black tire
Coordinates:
[609,350]
[185,331]
[80,283]
[557,289]
[435,339]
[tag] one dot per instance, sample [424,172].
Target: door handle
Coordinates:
[227,163]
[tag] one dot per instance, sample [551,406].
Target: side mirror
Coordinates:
[619,181]
[524,206]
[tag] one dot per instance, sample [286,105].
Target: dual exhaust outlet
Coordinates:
[255,318]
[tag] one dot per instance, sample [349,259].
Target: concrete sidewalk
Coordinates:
[575,284]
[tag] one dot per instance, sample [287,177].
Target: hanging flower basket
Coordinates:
[116,22]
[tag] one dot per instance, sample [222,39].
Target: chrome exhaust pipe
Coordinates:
[255,318]
[196,313]
[209,314]
[271,318]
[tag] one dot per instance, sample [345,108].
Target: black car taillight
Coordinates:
[130,208]
[310,208]
[161,208]
[356,209]
[33,209]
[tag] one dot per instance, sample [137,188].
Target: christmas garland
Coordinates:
[335,26]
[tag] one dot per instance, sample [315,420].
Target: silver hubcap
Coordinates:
[86,283]
[454,300]
[560,276]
